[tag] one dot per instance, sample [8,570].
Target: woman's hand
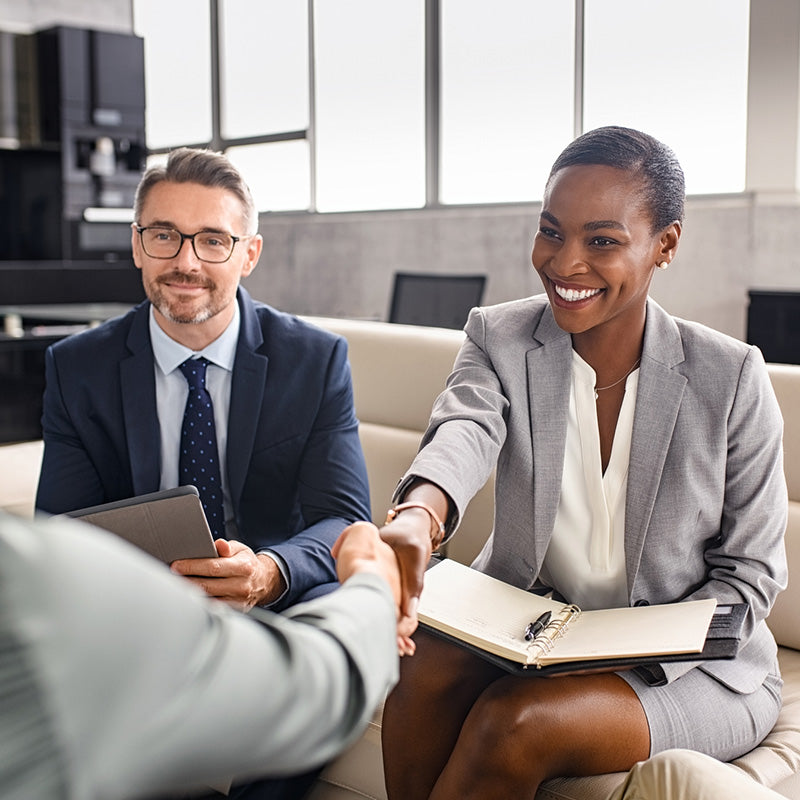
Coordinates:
[359,548]
[411,535]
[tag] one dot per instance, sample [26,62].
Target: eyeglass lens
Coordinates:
[208,246]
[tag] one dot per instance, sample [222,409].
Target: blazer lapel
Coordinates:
[549,378]
[657,404]
[138,385]
[247,396]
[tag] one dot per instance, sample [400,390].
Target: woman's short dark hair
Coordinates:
[664,189]
[206,167]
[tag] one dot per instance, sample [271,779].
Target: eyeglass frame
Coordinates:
[140,229]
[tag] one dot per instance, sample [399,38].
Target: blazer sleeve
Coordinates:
[68,479]
[167,689]
[332,483]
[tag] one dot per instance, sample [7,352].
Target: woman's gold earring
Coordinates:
[663,265]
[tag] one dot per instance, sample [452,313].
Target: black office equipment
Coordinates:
[77,113]
[438,300]
[773,325]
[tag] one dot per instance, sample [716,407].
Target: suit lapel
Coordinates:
[657,404]
[247,396]
[138,385]
[549,378]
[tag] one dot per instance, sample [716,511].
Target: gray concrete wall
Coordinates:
[342,264]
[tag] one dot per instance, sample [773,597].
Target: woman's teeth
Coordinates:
[571,295]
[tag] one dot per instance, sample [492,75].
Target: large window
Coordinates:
[264,85]
[339,105]
[177,57]
[507,79]
[370,104]
[688,89]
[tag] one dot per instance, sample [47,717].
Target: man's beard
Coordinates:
[162,304]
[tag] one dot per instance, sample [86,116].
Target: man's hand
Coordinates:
[359,548]
[238,576]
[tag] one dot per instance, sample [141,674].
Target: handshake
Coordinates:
[360,548]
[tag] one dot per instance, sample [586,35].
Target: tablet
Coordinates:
[168,524]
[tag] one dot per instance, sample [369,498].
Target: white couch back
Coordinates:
[398,371]
[783,619]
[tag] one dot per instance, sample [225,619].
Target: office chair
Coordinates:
[441,301]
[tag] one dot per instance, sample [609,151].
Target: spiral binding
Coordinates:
[552,632]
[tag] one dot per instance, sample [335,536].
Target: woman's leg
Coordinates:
[522,731]
[423,715]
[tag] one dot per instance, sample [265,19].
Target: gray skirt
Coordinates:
[697,712]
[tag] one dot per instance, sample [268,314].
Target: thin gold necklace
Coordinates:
[612,385]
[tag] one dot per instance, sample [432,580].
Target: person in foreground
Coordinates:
[285,469]
[126,681]
[689,775]
[638,460]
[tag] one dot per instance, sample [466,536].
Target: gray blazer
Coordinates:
[706,502]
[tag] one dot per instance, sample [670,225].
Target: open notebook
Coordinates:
[499,622]
[169,524]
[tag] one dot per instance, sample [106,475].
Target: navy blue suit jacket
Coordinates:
[295,467]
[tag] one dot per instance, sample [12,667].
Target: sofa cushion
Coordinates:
[20,464]
[783,619]
[388,451]
[784,379]
[778,756]
[398,370]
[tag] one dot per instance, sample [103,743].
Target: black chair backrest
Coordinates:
[441,300]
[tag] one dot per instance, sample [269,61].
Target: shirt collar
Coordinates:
[169,354]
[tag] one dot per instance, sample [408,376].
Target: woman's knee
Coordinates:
[504,727]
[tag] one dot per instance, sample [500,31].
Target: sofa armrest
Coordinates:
[19,476]
[783,620]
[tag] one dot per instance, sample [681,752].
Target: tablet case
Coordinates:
[169,524]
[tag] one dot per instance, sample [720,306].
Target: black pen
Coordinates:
[535,628]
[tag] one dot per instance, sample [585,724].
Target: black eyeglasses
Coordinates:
[212,247]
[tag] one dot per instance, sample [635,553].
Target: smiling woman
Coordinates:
[589,401]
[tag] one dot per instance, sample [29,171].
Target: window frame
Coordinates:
[432,97]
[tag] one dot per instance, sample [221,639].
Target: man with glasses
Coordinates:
[277,391]
[279,470]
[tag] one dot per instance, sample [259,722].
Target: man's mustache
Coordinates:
[176,276]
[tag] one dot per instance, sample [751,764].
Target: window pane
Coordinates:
[689,90]
[277,173]
[264,57]
[506,104]
[177,61]
[370,109]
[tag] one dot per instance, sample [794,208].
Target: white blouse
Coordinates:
[585,560]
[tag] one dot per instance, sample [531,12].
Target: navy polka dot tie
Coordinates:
[199,462]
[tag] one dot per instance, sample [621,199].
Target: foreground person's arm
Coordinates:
[118,679]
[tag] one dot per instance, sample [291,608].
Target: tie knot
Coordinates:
[194,370]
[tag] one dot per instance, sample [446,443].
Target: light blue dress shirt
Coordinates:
[172,391]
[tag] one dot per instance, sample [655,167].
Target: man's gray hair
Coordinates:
[206,167]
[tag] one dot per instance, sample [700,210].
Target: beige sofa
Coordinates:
[397,372]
